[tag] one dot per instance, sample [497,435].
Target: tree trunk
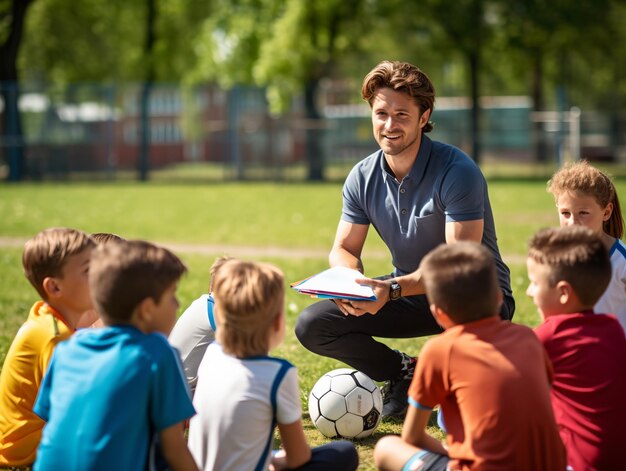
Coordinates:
[314,151]
[538,136]
[474,65]
[617,138]
[144,97]
[11,132]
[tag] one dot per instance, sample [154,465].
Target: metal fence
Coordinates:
[93,131]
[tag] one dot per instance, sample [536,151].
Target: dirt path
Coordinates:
[248,250]
[217,249]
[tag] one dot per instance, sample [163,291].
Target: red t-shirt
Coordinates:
[588,352]
[491,378]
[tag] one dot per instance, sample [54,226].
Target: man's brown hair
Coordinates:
[574,254]
[46,254]
[123,274]
[248,298]
[461,279]
[401,77]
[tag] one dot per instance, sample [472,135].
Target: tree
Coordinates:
[453,26]
[144,101]
[469,40]
[286,46]
[113,41]
[553,33]
[12,18]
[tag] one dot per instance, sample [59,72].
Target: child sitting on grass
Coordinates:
[491,378]
[56,263]
[109,390]
[569,269]
[195,330]
[243,393]
[91,317]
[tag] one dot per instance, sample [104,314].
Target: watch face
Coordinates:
[394,290]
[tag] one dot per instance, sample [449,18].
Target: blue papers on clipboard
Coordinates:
[335,283]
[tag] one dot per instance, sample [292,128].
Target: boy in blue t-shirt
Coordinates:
[109,391]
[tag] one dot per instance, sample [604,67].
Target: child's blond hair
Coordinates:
[574,254]
[461,279]
[248,298]
[583,178]
[46,254]
[217,264]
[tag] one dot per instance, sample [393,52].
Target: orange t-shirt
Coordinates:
[24,366]
[492,380]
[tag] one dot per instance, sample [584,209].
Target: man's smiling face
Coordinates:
[397,123]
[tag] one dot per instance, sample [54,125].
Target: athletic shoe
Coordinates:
[395,392]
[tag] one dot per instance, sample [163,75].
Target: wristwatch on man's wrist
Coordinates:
[395,291]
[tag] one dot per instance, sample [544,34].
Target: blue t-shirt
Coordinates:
[106,392]
[444,185]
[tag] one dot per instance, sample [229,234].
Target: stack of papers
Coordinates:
[335,283]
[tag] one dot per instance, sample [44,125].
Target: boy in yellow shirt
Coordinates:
[56,262]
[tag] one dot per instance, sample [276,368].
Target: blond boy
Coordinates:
[108,391]
[242,392]
[56,263]
[490,377]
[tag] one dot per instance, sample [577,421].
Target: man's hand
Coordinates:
[358,308]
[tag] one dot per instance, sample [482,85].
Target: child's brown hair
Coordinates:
[574,254]
[106,237]
[461,279]
[248,298]
[123,274]
[46,254]
[583,178]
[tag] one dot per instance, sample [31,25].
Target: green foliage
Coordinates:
[288,44]
[78,41]
[282,45]
[307,41]
[98,40]
[229,39]
[5,20]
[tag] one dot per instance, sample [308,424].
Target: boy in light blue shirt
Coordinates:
[109,391]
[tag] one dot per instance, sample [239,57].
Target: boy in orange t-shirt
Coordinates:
[56,262]
[490,377]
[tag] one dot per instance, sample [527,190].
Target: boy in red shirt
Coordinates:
[569,269]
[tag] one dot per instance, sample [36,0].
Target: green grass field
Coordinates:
[290,225]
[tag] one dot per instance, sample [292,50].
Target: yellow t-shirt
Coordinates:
[24,366]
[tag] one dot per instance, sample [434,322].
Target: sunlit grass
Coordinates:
[297,217]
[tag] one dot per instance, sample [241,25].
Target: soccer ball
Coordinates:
[345,403]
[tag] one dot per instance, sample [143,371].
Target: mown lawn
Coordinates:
[297,221]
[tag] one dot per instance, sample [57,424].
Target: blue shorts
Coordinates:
[425,460]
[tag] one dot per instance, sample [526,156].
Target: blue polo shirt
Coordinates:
[444,185]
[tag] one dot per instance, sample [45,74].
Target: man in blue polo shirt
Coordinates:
[417,194]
